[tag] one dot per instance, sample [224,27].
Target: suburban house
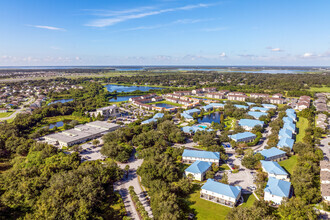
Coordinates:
[287,120]
[257,115]
[276,190]
[241,106]
[249,124]
[209,89]
[290,126]
[3,110]
[259,95]
[303,102]
[275,100]
[197,91]
[207,108]
[190,156]
[216,95]
[273,154]
[217,105]
[285,142]
[274,170]
[325,180]
[198,169]
[237,96]
[291,114]
[221,193]
[260,109]
[285,133]
[154,118]
[243,137]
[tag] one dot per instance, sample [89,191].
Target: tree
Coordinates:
[296,208]
[96,142]
[224,178]
[127,170]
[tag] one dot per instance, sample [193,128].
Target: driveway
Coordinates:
[325,147]
[132,180]
[244,178]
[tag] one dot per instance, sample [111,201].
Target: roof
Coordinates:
[289,126]
[201,154]
[273,167]
[250,103]
[250,122]
[285,133]
[159,115]
[286,142]
[287,119]
[243,135]
[257,115]
[217,104]
[271,152]
[207,107]
[259,109]
[199,167]
[278,187]
[268,106]
[186,116]
[241,106]
[290,111]
[222,189]
[194,129]
[149,121]
[192,111]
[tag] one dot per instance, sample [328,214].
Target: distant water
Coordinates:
[57,124]
[122,98]
[120,88]
[164,105]
[213,117]
[61,101]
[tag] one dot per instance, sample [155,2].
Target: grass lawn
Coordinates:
[55,119]
[289,164]
[205,209]
[6,114]
[248,200]
[229,121]
[224,167]
[166,102]
[320,89]
[302,124]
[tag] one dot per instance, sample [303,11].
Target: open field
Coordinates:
[302,124]
[289,164]
[320,89]
[6,114]
[55,119]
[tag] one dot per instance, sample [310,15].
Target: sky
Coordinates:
[164,32]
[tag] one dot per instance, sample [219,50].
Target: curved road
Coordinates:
[21,108]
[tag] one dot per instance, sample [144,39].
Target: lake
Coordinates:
[57,124]
[122,98]
[120,88]
[61,101]
[213,117]
[163,105]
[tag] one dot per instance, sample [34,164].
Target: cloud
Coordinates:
[275,49]
[48,27]
[107,13]
[308,55]
[223,54]
[104,22]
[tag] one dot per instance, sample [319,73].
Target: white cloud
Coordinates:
[223,54]
[104,22]
[48,27]
[275,49]
[307,55]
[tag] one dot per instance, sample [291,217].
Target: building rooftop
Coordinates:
[217,104]
[273,167]
[199,167]
[250,103]
[285,133]
[186,116]
[241,106]
[286,142]
[278,187]
[207,107]
[192,111]
[194,129]
[257,115]
[259,109]
[243,135]
[287,120]
[269,106]
[222,189]
[290,111]
[289,126]
[267,153]
[250,122]
[201,154]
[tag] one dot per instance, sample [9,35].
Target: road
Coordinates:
[325,147]
[21,108]
[132,180]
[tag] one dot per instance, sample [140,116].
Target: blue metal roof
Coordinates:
[292,116]
[201,154]
[285,133]
[241,106]
[257,115]
[149,120]
[186,116]
[278,187]
[159,115]
[267,153]
[207,107]
[217,105]
[250,103]
[199,167]
[259,109]
[289,126]
[192,111]
[286,142]
[290,111]
[222,189]
[287,120]
[268,106]
[250,122]
[273,167]
[241,136]
[194,129]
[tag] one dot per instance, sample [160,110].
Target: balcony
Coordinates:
[217,200]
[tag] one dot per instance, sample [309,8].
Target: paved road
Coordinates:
[132,180]
[17,111]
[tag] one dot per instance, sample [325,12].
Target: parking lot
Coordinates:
[90,152]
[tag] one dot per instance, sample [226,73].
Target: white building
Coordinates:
[198,169]
[276,190]
[273,169]
[190,156]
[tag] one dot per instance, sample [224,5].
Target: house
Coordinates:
[285,133]
[269,106]
[250,103]
[274,170]
[257,115]
[273,154]
[188,114]
[210,89]
[249,124]
[243,137]
[325,180]
[221,193]
[276,190]
[259,95]
[260,109]
[3,110]
[290,126]
[291,114]
[215,95]
[190,156]
[287,120]
[197,91]
[285,142]
[277,95]
[241,106]
[154,118]
[237,96]
[217,105]
[108,111]
[207,108]
[198,169]
[277,101]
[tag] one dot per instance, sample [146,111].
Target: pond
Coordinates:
[57,124]
[120,88]
[122,98]
[213,117]
[163,105]
[61,101]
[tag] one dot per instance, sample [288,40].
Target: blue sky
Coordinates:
[164,32]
